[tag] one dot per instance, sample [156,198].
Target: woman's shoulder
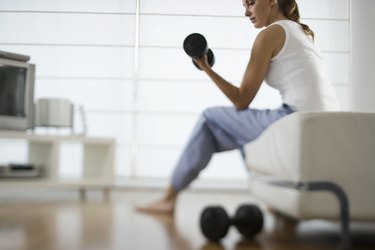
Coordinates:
[273,30]
[284,23]
[273,37]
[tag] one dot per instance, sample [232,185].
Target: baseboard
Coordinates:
[162,183]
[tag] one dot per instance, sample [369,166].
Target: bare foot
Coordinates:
[164,206]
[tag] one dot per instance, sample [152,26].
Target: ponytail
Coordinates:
[290,9]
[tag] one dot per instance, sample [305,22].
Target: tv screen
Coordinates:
[12,91]
[16,94]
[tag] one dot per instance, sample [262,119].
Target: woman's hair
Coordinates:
[290,9]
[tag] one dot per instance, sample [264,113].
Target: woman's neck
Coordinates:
[276,15]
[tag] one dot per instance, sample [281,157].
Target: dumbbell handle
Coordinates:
[237,221]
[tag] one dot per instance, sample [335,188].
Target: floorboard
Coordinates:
[49,220]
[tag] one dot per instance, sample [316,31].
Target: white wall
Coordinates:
[130,72]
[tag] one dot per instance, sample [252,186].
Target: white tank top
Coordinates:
[297,71]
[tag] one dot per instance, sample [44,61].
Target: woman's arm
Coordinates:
[267,44]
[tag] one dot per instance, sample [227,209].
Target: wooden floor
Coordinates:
[50,220]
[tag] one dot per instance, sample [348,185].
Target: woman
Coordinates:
[283,55]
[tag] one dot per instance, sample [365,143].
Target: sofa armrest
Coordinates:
[316,146]
[338,147]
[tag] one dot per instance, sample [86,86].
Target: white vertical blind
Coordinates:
[363,53]
[86,50]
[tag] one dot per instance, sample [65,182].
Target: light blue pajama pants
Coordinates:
[221,129]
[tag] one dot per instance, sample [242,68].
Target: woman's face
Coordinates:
[258,11]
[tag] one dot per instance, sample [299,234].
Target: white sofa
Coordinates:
[330,153]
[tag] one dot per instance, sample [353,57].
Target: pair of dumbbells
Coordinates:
[215,221]
[196,46]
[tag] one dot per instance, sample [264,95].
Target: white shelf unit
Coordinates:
[45,150]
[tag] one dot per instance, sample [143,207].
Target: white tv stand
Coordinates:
[44,150]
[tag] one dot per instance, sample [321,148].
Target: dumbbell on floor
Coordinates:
[195,45]
[215,221]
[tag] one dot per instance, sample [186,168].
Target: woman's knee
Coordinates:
[212,113]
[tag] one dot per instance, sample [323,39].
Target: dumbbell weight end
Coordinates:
[214,223]
[248,220]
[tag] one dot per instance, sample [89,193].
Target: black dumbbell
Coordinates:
[215,221]
[195,45]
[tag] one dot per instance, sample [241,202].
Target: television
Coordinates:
[16,93]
